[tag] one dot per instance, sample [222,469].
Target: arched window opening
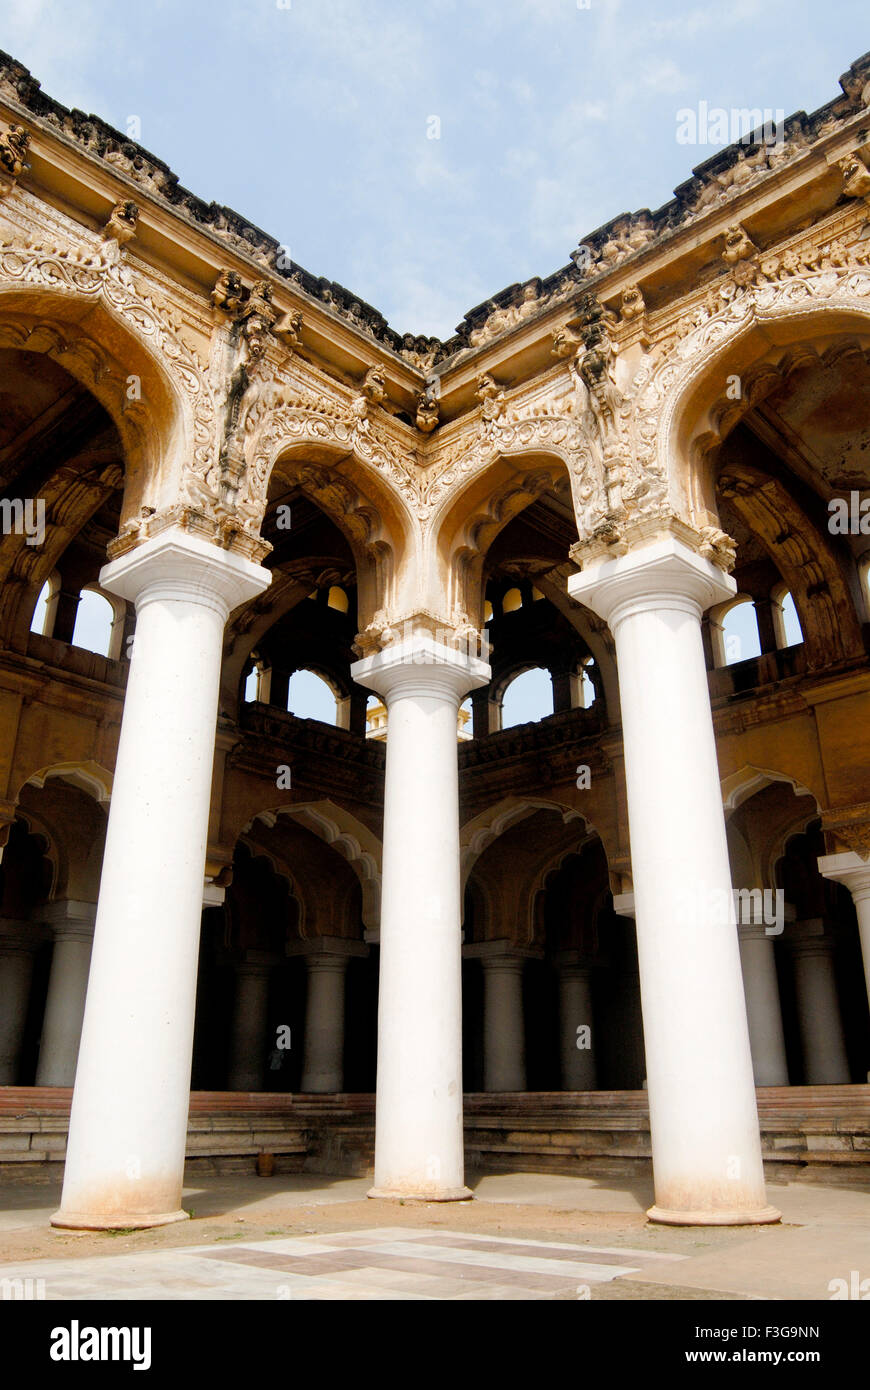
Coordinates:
[786,622]
[512,600]
[734,631]
[586,691]
[309,697]
[258,681]
[464,724]
[528,698]
[95,621]
[337,599]
[376,718]
[46,605]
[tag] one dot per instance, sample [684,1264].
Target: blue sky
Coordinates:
[311,117]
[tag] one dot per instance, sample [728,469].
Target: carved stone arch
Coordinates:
[98,321]
[120,346]
[466,522]
[478,834]
[552,867]
[53,853]
[257,850]
[76,833]
[88,776]
[764,335]
[345,834]
[249,624]
[740,786]
[373,517]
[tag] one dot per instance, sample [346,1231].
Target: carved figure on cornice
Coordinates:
[738,245]
[257,317]
[13,150]
[421,352]
[427,406]
[717,546]
[626,237]
[289,328]
[633,305]
[492,401]
[501,319]
[228,294]
[745,170]
[856,177]
[123,223]
[374,391]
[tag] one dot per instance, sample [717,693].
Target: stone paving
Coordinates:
[525,1236]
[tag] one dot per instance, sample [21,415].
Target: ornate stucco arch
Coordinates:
[478,834]
[340,830]
[465,523]
[96,318]
[817,291]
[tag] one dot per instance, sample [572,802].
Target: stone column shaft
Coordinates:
[823,1045]
[17,947]
[504,1036]
[73,926]
[419,1136]
[703,1117]
[128,1126]
[763,1010]
[579,1067]
[248,1038]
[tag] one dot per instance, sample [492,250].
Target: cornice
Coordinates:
[628,248]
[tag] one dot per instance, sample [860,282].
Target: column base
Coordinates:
[82,1221]
[759,1217]
[441,1194]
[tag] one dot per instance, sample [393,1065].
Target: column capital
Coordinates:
[850,870]
[421,665]
[500,955]
[575,960]
[255,962]
[325,952]
[19,935]
[623,905]
[69,920]
[177,566]
[664,574]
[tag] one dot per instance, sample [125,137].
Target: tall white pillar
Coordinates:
[128,1125]
[504,1034]
[703,1118]
[763,1010]
[418,1133]
[823,1045]
[577,1041]
[72,926]
[18,942]
[854,872]
[250,1009]
[323,1055]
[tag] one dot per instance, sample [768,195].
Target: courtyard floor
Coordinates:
[524,1236]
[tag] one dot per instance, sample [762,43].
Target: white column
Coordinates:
[763,1010]
[250,1008]
[504,1035]
[418,1134]
[823,1045]
[854,872]
[128,1125]
[576,1048]
[703,1117]
[72,926]
[18,942]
